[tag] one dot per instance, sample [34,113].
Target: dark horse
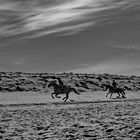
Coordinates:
[112,90]
[66,90]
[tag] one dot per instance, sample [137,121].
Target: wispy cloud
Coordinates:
[128,46]
[128,65]
[17,61]
[41,17]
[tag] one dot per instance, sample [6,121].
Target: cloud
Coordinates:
[17,61]
[126,65]
[111,68]
[129,47]
[64,30]
[42,17]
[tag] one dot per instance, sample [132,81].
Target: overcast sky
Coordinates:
[87,36]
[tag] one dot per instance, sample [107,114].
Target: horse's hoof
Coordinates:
[72,100]
[123,97]
[118,97]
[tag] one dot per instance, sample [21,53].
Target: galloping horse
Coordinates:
[66,90]
[114,90]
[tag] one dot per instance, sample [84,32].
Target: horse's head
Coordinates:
[106,87]
[56,87]
[52,83]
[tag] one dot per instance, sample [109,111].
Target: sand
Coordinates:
[36,116]
[43,97]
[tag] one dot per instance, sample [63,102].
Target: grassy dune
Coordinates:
[18,81]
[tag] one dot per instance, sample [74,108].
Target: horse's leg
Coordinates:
[111,95]
[123,94]
[66,98]
[56,95]
[118,94]
[52,95]
[107,94]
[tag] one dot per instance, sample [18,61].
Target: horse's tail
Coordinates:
[75,91]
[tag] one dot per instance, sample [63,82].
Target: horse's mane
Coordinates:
[53,83]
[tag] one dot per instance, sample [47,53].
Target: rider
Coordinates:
[61,84]
[114,84]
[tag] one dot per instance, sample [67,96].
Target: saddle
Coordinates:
[63,88]
[114,88]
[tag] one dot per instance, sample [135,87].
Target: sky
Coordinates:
[82,36]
